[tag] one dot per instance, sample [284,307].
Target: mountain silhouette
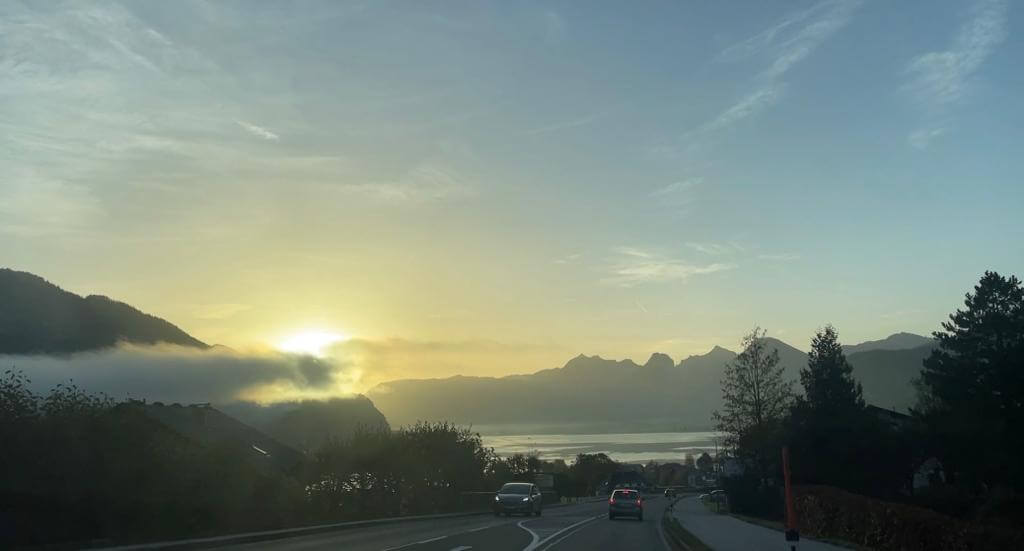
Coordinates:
[595,393]
[896,341]
[307,424]
[39,317]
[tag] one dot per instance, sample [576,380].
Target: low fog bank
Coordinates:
[170,373]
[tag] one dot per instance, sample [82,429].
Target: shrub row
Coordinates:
[828,512]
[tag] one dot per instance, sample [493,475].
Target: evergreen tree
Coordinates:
[828,379]
[972,385]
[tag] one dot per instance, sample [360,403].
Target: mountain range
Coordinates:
[39,317]
[587,393]
[593,393]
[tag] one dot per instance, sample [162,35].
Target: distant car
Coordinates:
[718,496]
[670,492]
[518,497]
[626,503]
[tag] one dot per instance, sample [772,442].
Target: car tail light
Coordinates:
[611,501]
[640,502]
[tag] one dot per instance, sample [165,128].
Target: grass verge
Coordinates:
[680,537]
[776,525]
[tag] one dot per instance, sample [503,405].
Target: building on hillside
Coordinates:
[891,417]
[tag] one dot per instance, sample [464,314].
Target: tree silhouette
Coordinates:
[828,380]
[756,399]
[972,385]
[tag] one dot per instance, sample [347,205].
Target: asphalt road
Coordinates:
[565,528]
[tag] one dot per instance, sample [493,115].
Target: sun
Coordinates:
[310,342]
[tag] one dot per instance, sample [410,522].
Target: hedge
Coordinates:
[827,512]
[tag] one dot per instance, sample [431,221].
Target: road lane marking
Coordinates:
[559,540]
[403,546]
[461,548]
[482,528]
[534,535]
[537,542]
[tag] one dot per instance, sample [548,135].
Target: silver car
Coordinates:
[626,503]
[518,497]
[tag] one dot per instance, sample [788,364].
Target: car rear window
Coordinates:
[522,489]
[624,495]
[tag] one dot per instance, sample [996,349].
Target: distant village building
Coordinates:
[891,417]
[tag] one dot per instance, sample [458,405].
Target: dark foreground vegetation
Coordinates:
[82,469]
[947,474]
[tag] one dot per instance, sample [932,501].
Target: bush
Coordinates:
[828,512]
[748,495]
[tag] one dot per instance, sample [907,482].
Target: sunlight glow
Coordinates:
[310,342]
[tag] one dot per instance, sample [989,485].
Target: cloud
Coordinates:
[715,249]
[568,259]
[180,374]
[425,182]
[942,78]
[779,257]
[676,194]
[748,105]
[219,311]
[923,137]
[258,131]
[220,375]
[785,44]
[633,267]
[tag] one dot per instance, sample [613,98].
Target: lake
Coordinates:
[630,447]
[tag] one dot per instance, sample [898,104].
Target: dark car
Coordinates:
[518,497]
[626,503]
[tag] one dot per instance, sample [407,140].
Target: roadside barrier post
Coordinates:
[792,534]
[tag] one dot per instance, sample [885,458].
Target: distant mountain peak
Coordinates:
[659,361]
[897,341]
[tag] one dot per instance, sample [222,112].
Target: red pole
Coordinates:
[792,535]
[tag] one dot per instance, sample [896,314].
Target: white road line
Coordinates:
[535,544]
[403,546]
[559,540]
[536,538]
[461,548]
[477,529]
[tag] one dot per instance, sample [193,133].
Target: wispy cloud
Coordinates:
[941,79]
[779,257]
[752,103]
[715,249]
[922,137]
[569,259]
[678,195]
[426,182]
[784,44]
[219,311]
[258,131]
[632,266]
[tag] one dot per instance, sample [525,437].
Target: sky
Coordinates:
[494,187]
